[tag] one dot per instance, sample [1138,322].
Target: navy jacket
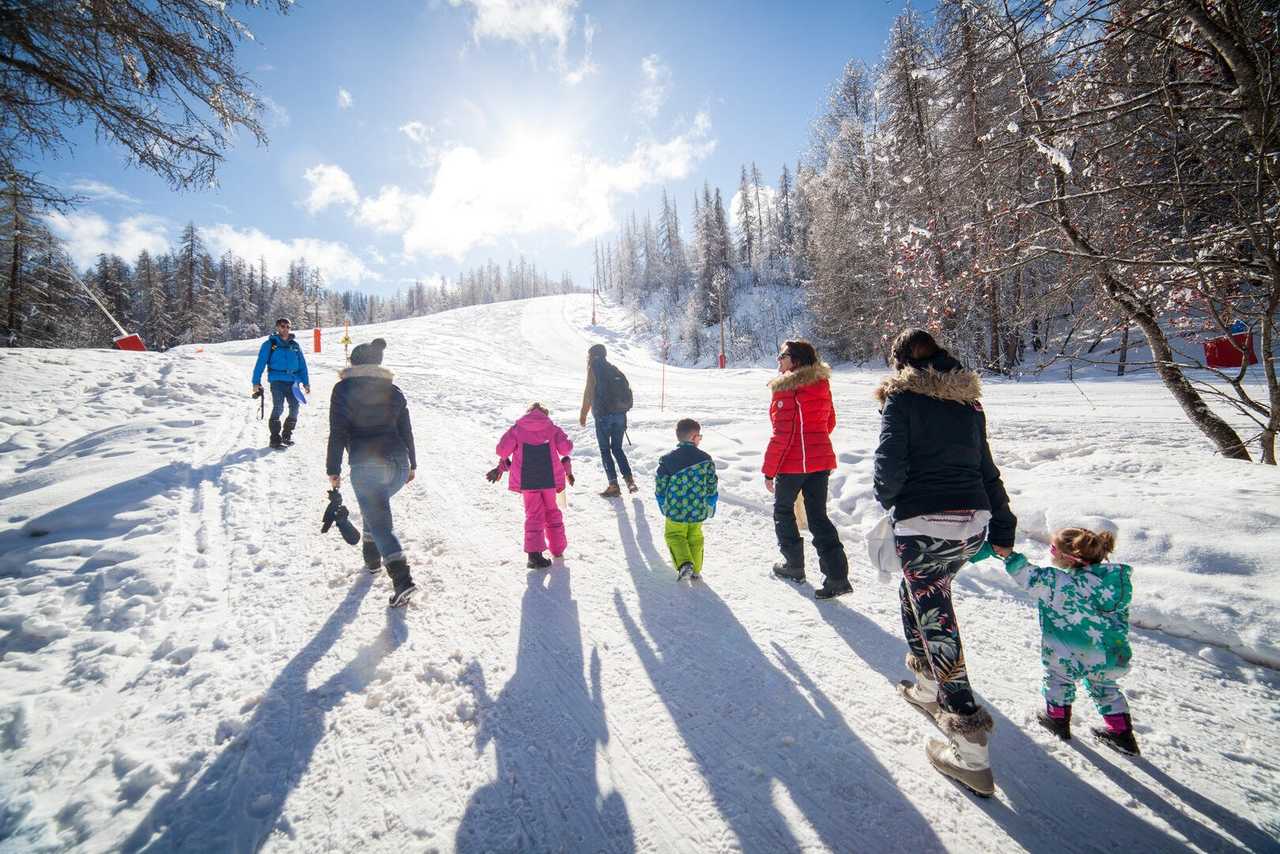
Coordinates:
[933,453]
[369,418]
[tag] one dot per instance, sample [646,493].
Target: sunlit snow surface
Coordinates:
[186,663]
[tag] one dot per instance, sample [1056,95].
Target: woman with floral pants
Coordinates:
[935,472]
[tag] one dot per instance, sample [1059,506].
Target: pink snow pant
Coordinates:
[543,522]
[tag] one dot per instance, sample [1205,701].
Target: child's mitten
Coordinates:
[983,553]
[568,469]
[493,474]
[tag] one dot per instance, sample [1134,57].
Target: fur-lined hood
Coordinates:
[960,384]
[807,375]
[376,372]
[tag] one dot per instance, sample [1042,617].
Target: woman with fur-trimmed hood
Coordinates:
[799,461]
[934,471]
[369,419]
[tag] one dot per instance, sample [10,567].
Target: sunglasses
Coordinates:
[782,356]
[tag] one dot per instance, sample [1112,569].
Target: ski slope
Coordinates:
[187,664]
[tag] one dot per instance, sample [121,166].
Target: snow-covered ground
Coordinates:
[187,664]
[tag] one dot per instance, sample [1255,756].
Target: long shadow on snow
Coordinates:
[545,725]
[1046,799]
[99,513]
[1248,836]
[752,727]
[238,799]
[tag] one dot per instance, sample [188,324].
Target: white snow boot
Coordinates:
[923,693]
[963,756]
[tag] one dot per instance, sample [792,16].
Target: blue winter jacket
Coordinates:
[687,487]
[284,361]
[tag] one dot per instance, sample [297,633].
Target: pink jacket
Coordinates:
[534,446]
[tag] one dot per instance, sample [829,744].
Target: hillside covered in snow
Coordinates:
[186,663]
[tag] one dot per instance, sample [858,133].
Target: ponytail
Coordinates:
[1085,545]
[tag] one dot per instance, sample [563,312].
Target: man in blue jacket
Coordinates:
[282,357]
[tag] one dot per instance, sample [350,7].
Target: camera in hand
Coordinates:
[337,513]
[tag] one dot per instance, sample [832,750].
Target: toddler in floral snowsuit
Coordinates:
[1084,624]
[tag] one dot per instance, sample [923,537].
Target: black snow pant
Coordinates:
[813,486]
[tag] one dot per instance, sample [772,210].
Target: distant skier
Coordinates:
[799,461]
[282,356]
[608,396]
[687,492]
[536,452]
[369,418]
[1084,630]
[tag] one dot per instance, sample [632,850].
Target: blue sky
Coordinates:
[416,138]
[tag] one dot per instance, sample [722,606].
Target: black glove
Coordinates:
[568,472]
[493,474]
[257,393]
[337,513]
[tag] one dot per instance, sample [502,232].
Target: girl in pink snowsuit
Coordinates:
[536,452]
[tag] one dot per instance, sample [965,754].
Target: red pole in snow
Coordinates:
[317,339]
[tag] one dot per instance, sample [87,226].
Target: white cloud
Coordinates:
[87,235]
[529,22]
[338,263]
[657,80]
[574,76]
[277,115]
[416,131]
[330,185]
[538,182]
[521,21]
[344,99]
[99,191]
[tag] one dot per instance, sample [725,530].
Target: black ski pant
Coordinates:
[813,486]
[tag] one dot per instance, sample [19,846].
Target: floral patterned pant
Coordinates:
[928,620]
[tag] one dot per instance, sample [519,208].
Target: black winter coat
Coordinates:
[369,417]
[933,453]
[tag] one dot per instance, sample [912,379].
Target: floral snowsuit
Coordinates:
[1084,627]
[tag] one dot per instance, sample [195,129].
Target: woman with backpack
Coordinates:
[608,396]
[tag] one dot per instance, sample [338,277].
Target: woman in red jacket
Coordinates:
[798,461]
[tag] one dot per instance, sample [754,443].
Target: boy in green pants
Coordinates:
[687,494]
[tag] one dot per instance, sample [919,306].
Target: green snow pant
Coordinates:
[684,539]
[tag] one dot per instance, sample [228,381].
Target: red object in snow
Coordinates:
[317,339]
[722,360]
[1230,351]
[131,341]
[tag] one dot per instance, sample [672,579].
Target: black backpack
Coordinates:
[615,391]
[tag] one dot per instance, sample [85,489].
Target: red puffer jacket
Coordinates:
[803,418]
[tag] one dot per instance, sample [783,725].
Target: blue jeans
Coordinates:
[281,391]
[374,482]
[609,431]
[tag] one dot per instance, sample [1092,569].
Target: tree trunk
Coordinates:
[14,271]
[1124,351]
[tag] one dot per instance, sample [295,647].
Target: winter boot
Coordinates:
[612,490]
[963,756]
[1118,734]
[273,424]
[286,435]
[631,484]
[537,560]
[789,571]
[401,582]
[1056,719]
[923,693]
[372,557]
[831,589]
[685,571]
